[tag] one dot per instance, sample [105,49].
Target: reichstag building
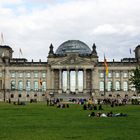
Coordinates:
[73,70]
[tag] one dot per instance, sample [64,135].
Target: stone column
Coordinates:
[6,82]
[48,79]
[60,81]
[129,84]
[52,81]
[68,81]
[121,80]
[32,84]
[84,80]
[76,80]
[113,81]
[95,81]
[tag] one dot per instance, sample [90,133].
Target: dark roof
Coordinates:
[5,46]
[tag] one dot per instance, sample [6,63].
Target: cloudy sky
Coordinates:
[32,25]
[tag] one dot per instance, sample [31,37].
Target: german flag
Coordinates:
[106,66]
[40,81]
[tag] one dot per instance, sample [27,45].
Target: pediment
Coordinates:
[73,60]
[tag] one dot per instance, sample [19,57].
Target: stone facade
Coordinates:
[72,71]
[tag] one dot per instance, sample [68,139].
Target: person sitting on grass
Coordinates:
[109,114]
[95,107]
[92,114]
[103,115]
[67,105]
[119,115]
[98,114]
[100,107]
[84,107]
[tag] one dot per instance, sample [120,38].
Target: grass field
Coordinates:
[40,122]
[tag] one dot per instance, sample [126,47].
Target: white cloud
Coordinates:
[109,24]
[6,2]
[105,29]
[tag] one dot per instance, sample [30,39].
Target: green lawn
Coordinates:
[40,122]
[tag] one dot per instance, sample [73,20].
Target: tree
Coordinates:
[135,79]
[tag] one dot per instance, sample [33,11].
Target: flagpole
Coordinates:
[2,39]
[104,82]
[105,74]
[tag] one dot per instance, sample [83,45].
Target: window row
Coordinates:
[27,74]
[109,86]
[117,74]
[36,85]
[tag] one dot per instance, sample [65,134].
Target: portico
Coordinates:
[72,67]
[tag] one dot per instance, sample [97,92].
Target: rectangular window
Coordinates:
[36,74]
[43,86]
[36,85]
[118,85]
[101,86]
[125,75]
[20,74]
[13,85]
[109,74]
[125,86]
[109,85]
[28,85]
[20,85]
[101,74]
[117,74]
[13,74]
[28,74]
[43,74]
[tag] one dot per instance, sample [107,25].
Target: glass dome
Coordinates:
[73,46]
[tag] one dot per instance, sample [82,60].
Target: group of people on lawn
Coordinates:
[91,106]
[109,114]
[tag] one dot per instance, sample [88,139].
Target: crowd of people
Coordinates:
[109,114]
[88,104]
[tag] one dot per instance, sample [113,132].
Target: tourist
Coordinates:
[92,114]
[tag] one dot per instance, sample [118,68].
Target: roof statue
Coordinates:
[51,52]
[94,52]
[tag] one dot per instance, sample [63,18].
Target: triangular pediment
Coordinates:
[73,60]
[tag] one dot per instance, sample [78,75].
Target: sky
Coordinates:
[32,25]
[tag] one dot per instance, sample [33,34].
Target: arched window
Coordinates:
[117,85]
[101,86]
[28,85]
[13,85]
[109,86]
[36,85]
[125,86]
[44,86]
[20,85]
